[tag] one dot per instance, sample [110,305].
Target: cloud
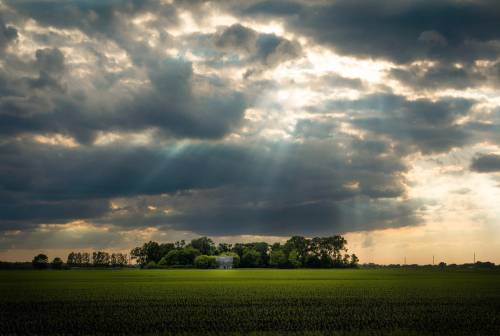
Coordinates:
[486,163]
[268,187]
[259,49]
[402,32]
[193,117]
[439,75]
[171,104]
[416,125]
[7,35]
[311,128]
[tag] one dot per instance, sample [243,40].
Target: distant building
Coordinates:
[225,262]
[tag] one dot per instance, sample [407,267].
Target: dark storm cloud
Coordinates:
[22,214]
[46,171]
[486,163]
[168,105]
[423,125]
[223,184]
[318,218]
[402,32]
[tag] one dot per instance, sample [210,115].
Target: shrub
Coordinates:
[163,262]
[204,261]
[151,265]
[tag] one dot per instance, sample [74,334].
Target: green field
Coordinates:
[264,301]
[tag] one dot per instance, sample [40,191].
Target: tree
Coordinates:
[165,248]
[101,259]
[180,244]
[138,254]
[205,261]
[205,245]
[183,256]
[238,249]
[78,259]
[71,261]
[57,263]
[150,251]
[299,244]
[250,258]
[118,259]
[263,249]
[224,248]
[313,261]
[163,261]
[354,260]
[40,261]
[278,259]
[85,259]
[293,259]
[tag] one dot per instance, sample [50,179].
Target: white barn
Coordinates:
[224,262]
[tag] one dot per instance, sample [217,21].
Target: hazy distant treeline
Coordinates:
[476,265]
[74,259]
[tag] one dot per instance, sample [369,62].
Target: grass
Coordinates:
[263,301]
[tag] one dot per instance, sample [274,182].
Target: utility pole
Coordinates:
[474,257]
[405,260]
[432,260]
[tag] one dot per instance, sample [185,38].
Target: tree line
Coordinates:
[298,251]
[81,259]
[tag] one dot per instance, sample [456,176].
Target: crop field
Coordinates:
[260,302]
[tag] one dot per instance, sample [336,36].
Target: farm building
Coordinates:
[225,262]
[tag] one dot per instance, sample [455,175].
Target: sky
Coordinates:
[125,121]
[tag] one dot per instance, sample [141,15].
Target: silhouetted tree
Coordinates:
[354,260]
[118,259]
[85,259]
[71,261]
[101,259]
[148,252]
[57,263]
[40,261]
